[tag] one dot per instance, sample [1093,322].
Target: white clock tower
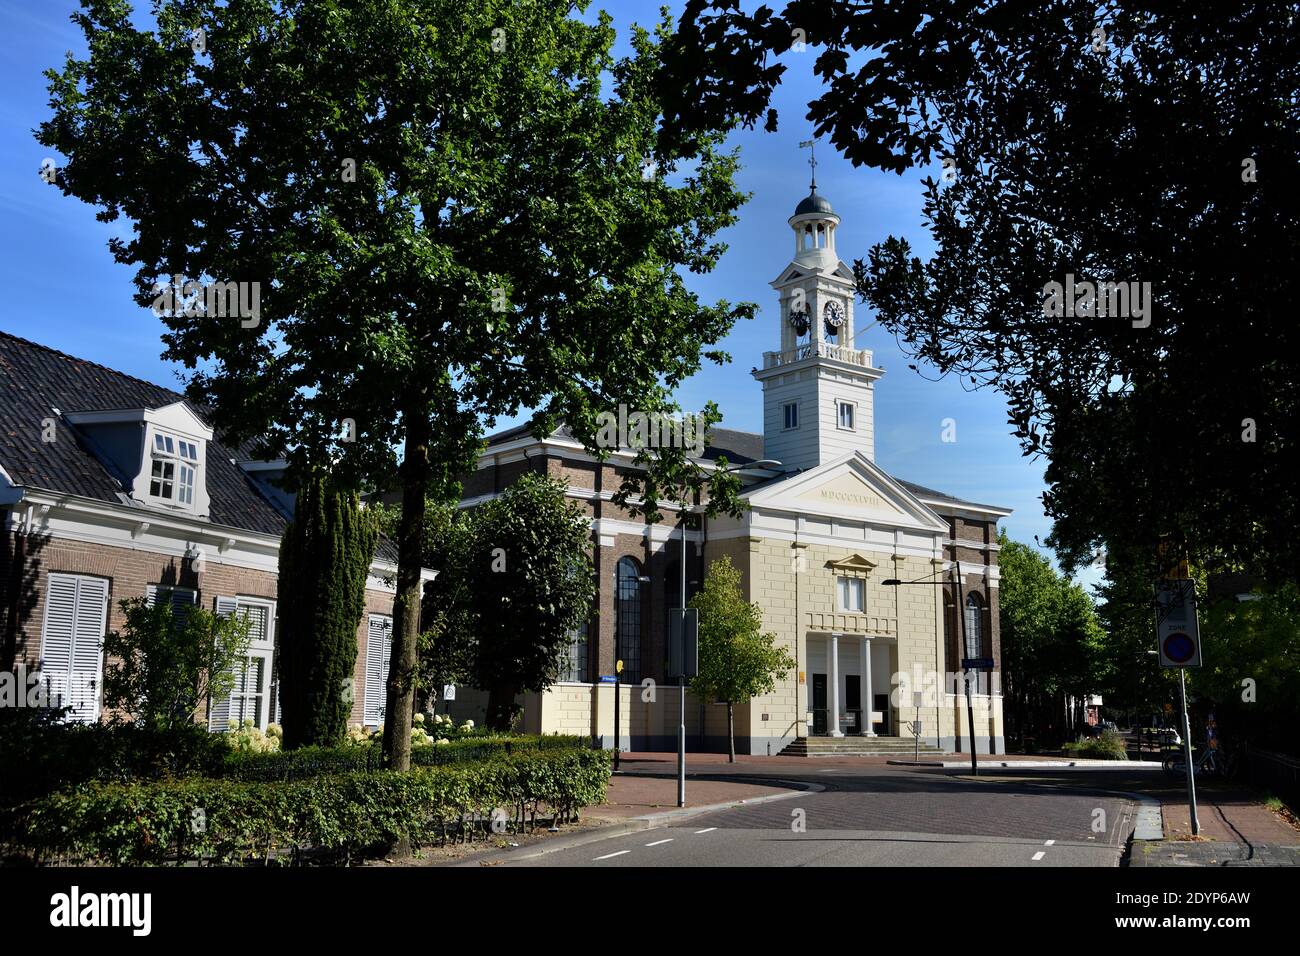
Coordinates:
[818,389]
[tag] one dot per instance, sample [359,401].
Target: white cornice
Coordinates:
[90,521]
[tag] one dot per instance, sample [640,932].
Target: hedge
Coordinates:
[331,818]
[313,761]
[40,756]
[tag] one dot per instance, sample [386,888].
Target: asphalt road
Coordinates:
[879,817]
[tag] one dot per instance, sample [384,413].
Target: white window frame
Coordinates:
[182,456]
[789,410]
[852,407]
[263,649]
[847,588]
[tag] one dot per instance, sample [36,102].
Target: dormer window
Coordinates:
[173,469]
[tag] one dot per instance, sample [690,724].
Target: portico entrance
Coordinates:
[849,680]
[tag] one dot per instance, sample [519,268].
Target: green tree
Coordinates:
[525,579]
[738,660]
[1250,651]
[325,557]
[1051,644]
[454,211]
[1183,179]
[162,666]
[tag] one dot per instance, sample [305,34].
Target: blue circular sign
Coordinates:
[1179,647]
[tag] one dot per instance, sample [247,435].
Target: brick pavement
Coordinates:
[631,796]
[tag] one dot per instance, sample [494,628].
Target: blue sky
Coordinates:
[65,291]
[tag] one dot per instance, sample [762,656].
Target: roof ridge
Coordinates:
[76,358]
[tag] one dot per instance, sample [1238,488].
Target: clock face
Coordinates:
[833,314]
[799,322]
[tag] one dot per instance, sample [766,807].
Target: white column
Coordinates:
[833,722]
[867,697]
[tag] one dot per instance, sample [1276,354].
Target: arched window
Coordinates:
[627,619]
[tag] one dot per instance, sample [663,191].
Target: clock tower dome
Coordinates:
[818,388]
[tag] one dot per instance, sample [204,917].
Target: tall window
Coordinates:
[249,699]
[846,410]
[627,624]
[975,639]
[790,414]
[853,594]
[573,666]
[974,626]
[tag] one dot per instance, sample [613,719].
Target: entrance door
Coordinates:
[882,705]
[853,702]
[819,703]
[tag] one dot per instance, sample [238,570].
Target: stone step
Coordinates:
[854,746]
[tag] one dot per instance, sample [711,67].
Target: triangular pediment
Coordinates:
[852,487]
[853,563]
[795,271]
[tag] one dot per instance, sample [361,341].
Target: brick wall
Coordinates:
[129,573]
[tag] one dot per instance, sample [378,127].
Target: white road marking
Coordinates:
[1039,855]
[660,842]
[609,855]
[706,830]
[1049,843]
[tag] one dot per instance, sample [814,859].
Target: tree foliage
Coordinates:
[1250,652]
[454,212]
[162,666]
[325,557]
[516,583]
[738,659]
[1128,141]
[1052,645]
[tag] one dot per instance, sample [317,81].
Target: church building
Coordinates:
[856,571]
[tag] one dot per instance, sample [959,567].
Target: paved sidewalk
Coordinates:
[1236,830]
[635,796]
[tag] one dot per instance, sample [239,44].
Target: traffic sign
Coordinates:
[1178,634]
[684,642]
[977,663]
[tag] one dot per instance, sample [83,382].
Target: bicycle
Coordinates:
[1212,761]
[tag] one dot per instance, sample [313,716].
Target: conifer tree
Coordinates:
[325,555]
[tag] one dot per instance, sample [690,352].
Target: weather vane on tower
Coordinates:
[812,160]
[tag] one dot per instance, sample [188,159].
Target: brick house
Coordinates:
[826,526]
[112,488]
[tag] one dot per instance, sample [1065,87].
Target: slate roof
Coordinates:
[743,447]
[739,447]
[35,380]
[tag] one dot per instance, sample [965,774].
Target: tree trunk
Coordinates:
[731,733]
[399,712]
[501,706]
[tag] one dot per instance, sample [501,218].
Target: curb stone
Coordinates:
[649,821]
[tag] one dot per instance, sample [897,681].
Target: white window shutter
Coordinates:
[88,648]
[379,648]
[219,709]
[57,636]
